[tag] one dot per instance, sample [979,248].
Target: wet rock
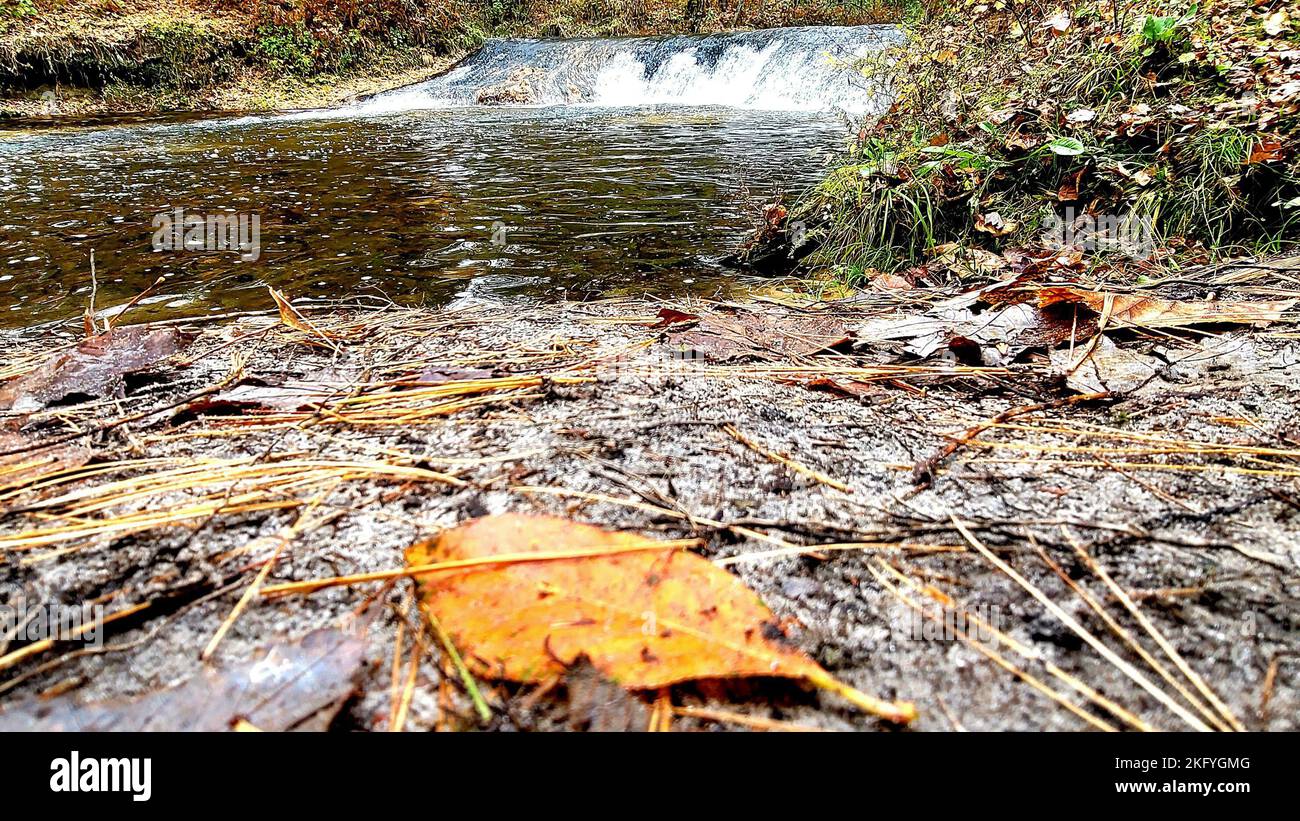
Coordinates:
[519,89]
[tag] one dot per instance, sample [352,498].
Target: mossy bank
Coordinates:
[86,57]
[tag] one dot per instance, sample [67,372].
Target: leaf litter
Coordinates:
[407,428]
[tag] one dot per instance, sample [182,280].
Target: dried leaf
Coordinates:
[95,368]
[669,316]
[968,261]
[1149,312]
[1069,188]
[1001,335]
[646,619]
[295,686]
[291,316]
[890,282]
[1265,149]
[846,388]
[760,335]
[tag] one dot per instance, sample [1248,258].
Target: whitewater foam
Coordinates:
[790,69]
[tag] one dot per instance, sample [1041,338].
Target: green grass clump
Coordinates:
[1007,116]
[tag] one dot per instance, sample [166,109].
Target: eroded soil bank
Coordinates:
[818,460]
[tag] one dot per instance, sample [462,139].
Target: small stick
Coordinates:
[787,461]
[313,585]
[466,677]
[752,722]
[88,319]
[923,471]
[661,715]
[804,550]
[408,692]
[395,674]
[1270,681]
[108,322]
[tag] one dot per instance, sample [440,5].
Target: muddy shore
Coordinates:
[765,444]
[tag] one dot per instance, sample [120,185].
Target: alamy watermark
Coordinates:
[23,621]
[74,773]
[1129,234]
[980,622]
[179,230]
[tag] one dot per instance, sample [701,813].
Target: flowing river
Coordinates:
[633,166]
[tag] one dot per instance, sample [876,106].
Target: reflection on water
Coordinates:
[425,206]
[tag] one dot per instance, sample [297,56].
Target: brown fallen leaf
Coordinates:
[670,316]
[292,317]
[760,335]
[95,368]
[1069,188]
[646,619]
[891,282]
[1106,368]
[848,388]
[293,686]
[1150,312]
[1265,149]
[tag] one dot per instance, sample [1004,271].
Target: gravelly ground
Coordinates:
[1211,553]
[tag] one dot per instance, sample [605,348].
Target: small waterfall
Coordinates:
[799,69]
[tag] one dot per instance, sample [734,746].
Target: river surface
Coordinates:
[425,200]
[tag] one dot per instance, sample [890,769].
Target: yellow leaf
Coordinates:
[645,618]
[290,316]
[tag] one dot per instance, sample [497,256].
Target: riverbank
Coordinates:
[864,466]
[1121,137]
[85,58]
